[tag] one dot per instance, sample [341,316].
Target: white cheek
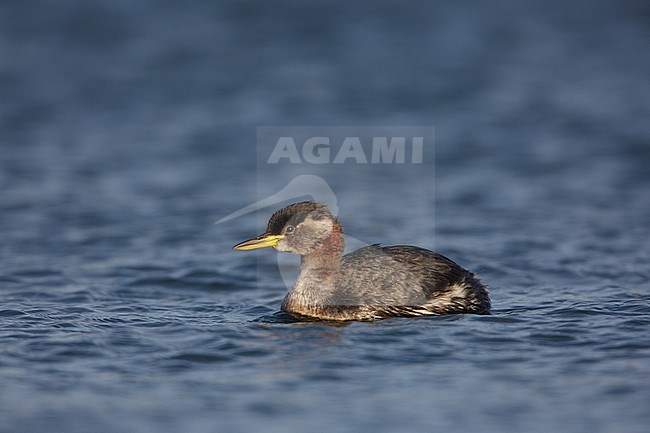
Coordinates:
[320,228]
[282,246]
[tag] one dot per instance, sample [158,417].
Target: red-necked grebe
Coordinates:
[373,282]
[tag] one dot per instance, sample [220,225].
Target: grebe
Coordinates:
[374,282]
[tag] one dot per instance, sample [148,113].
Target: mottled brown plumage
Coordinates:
[373,282]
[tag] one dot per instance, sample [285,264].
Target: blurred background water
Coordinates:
[127,128]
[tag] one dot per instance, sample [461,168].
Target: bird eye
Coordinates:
[289,229]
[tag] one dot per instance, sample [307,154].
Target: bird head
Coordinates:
[299,228]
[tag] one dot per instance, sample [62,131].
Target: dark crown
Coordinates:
[296,213]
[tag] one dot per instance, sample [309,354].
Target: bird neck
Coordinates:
[327,257]
[319,271]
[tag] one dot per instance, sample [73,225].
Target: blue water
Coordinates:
[127,128]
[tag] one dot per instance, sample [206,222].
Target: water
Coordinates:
[128,128]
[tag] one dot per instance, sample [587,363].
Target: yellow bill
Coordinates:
[261,241]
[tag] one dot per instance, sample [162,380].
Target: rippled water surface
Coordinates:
[128,128]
